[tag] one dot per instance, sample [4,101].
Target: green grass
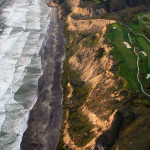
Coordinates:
[144,45]
[127,58]
[97,1]
[79,126]
[146,18]
[140,26]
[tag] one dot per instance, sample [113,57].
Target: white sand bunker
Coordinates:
[142,52]
[148,76]
[127,44]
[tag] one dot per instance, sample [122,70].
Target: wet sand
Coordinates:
[46,116]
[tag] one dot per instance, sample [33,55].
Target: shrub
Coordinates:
[99,53]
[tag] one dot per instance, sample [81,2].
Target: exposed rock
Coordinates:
[89,11]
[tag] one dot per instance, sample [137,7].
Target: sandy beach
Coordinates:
[45,118]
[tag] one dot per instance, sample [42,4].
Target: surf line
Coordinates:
[9,48]
[10,17]
[11,31]
[14,72]
[13,92]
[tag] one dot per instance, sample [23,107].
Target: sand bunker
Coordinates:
[148,76]
[127,44]
[142,52]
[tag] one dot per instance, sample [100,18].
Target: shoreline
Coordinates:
[46,116]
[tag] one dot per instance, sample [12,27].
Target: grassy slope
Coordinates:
[136,136]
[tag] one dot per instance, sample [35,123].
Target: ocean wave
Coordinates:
[21,39]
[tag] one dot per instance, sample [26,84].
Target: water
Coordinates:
[23,26]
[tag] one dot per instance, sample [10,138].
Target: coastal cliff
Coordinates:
[87,79]
[98,108]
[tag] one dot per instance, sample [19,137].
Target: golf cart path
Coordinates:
[138,60]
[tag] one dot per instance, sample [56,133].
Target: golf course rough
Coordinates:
[130,56]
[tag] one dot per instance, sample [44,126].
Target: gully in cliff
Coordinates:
[45,118]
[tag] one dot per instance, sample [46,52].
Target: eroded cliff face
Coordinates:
[85,11]
[91,60]
[89,11]
[95,72]
[89,25]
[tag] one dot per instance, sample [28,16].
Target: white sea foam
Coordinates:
[7,44]
[8,64]
[8,11]
[5,35]
[19,17]
[6,76]
[2,118]
[18,115]
[34,16]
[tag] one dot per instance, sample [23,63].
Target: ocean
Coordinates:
[23,27]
